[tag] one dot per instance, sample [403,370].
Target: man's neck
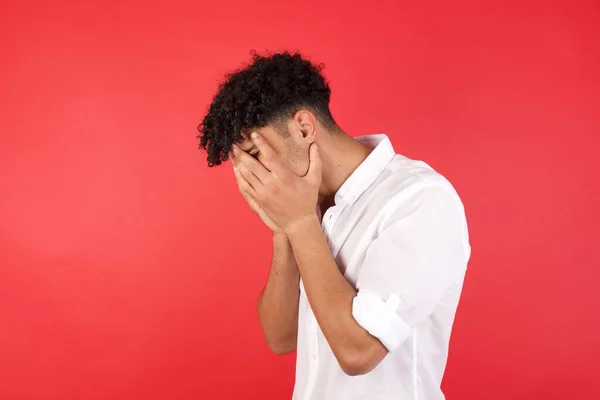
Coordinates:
[341,155]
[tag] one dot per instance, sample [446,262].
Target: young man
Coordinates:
[370,248]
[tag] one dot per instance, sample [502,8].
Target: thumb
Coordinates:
[315,164]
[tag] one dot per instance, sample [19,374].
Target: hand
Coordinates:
[286,198]
[255,206]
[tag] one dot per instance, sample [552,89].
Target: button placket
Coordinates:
[313,350]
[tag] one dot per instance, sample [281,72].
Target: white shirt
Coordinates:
[399,235]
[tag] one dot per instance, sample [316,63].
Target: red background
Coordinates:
[129,270]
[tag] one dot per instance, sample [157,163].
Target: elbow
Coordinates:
[360,360]
[281,348]
[353,363]
[355,368]
[281,345]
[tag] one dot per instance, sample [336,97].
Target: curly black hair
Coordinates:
[267,92]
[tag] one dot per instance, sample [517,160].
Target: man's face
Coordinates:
[289,147]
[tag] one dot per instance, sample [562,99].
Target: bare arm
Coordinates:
[278,301]
[330,296]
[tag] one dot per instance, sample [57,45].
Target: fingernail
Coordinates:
[254,135]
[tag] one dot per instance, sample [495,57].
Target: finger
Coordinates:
[251,202]
[249,176]
[238,181]
[315,167]
[244,186]
[251,164]
[269,158]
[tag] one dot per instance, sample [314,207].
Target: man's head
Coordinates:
[283,97]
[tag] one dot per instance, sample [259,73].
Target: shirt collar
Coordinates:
[368,170]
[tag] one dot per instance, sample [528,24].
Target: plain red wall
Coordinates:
[129,270]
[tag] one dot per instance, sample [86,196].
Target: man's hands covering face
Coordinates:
[279,197]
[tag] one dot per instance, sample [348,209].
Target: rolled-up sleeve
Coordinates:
[421,250]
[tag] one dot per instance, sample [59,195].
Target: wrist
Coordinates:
[301,225]
[280,237]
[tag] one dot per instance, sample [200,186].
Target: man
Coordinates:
[369,248]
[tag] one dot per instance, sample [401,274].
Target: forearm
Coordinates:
[278,302]
[330,296]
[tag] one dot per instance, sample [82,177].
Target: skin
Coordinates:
[291,175]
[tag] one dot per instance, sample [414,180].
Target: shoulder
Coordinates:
[410,184]
[421,206]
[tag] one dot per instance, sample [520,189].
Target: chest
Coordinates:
[349,230]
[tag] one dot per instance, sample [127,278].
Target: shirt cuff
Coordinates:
[380,319]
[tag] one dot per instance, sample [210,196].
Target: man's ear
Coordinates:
[304,124]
